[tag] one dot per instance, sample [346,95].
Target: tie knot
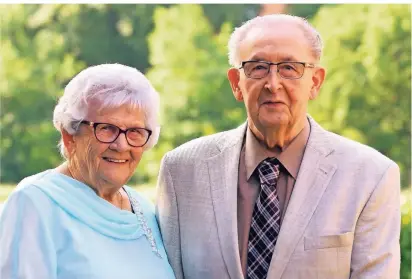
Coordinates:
[269,170]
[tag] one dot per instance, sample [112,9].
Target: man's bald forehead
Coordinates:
[264,25]
[275,26]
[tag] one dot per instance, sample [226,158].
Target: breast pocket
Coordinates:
[328,241]
[328,256]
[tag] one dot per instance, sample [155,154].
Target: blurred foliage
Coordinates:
[218,14]
[44,46]
[182,48]
[304,10]
[367,92]
[406,234]
[35,62]
[191,77]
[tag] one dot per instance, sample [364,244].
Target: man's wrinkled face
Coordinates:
[273,101]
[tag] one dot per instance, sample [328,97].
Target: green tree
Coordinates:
[34,63]
[42,48]
[307,11]
[367,92]
[406,234]
[218,14]
[189,64]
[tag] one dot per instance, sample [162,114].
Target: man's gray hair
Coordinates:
[111,85]
[240,33]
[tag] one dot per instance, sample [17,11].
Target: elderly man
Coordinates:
[278,197]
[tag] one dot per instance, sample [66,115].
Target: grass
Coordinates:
[5,190]
[148,191]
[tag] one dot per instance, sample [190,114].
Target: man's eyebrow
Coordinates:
[289,58]
[258,58]
[284,58]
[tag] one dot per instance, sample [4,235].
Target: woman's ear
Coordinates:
[68,140]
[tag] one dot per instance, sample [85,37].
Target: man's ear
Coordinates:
[68,140]
[317,80]
[233,77]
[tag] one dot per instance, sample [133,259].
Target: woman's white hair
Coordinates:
[111,85]
[240,33]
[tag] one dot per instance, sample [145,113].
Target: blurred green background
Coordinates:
[182,50]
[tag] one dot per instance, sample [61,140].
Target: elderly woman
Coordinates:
[79,220]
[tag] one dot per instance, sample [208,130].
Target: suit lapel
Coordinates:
[314,175]
[223,174]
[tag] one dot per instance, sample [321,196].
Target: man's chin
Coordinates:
[274,123]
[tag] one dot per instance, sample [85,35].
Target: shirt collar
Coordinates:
[290,157]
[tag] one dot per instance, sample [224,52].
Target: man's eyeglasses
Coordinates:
[108,133]
[288,70]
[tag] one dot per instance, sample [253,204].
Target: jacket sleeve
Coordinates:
[167,215]
[376,250]
[26,247]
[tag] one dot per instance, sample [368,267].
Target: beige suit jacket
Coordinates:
[342,221]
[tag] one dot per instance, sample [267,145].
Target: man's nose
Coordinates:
[274,81]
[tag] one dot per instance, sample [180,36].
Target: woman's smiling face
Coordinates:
[107,164]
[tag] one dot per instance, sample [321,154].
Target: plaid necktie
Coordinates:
[265,225]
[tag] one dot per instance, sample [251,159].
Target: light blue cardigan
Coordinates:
[55,227]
